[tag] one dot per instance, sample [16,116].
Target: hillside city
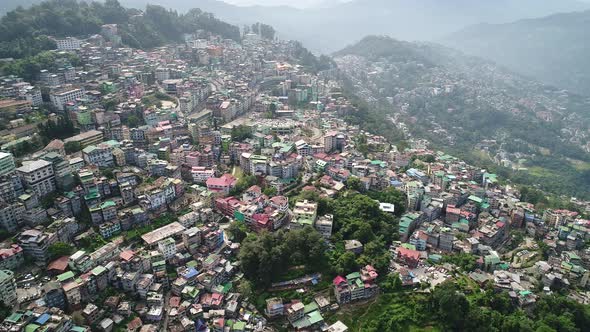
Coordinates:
[223,185]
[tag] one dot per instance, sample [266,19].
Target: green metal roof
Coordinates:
[65,276]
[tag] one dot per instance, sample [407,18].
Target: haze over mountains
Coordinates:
[336,24]
[329,29]
[552,49]
[526,36]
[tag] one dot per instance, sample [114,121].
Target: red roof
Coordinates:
[60,264]
[226,180]
[8,252]
[127,255]
[338,280]
[408,253]
[261,218]
[174,301]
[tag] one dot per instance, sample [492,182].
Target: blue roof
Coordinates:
[43,319]
[192,272]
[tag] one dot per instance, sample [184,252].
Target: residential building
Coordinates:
[11,258]
[38,176]
[68,44]
[6,163]
[7,288]
[60,99]
[167,248]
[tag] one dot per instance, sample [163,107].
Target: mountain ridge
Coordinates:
[551,49]
[472,108]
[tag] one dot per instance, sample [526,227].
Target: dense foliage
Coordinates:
[358,217]
[62,128]
[60,249]
[455,307]
[391,196]
[241,133]
[265,257]
[29,67]
[309,61]
[264,30]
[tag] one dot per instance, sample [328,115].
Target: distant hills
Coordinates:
[553,49]
[475,109]
[332,27]
[335,24]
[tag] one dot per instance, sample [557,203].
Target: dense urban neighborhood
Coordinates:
[216,184]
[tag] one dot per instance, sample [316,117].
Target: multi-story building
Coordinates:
[6,163]
[38,176]
[68,44]
[80,261]
[11,215]
[35,243]
[167,248]
[60,99]
[91,137]
[191,238]
[100,155]
[356,286]
[7,288]
[446,239]
[12,107]
[11,258]
[274,307]
[109,229]
[201,174]
[305,211]
[221,185]
[324,225]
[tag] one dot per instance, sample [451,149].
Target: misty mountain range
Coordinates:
[517,34]
[330,28]
[336,24]
[552,49]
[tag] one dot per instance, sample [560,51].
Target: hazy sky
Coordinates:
[292,3]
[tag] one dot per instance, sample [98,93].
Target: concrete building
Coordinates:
[324,225]
[7,288]
[11,258]
[167,248]
[61,98]
[36,243]
[38,176]
[68,44]
[6,163]
[87,138]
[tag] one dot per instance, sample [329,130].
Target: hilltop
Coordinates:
[552,49]
[533,133]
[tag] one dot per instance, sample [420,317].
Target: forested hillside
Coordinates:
[26,32]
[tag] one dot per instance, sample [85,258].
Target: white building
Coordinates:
[201,174]
[7,288]
[60,99]
[101,155]
[167,248]
[6,163]
[68,44]
[324,225]
[38,176]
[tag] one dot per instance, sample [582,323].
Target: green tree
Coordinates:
[60,249]
[238,231]
[354,183]
[72,147]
